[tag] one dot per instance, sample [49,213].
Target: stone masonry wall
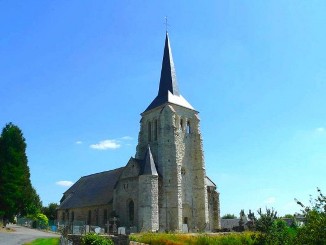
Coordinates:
[175,140]
[148,203]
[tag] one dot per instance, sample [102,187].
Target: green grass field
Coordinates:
[44,241]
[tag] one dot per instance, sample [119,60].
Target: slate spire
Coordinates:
[149,165]
[168,89]
[168,81]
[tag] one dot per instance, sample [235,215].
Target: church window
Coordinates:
[105,216]
[181,124]
[96,216]
[89,218]
[155,130]
[72,216]
[183,171]
[149,127]
[188,130]
[131,210]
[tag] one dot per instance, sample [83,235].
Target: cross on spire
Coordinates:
[166,24]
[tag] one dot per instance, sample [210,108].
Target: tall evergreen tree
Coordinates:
[17,195]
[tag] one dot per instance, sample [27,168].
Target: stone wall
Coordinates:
[148,203]
[174,136]
[99,215]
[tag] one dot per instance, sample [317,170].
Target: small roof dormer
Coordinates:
[168,89]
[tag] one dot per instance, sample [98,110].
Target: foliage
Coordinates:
[94,239]
[278,233]
[229,216]
[17,193]
[201,239]
[265,221]
[50,211]
[314,229]
[44,241]
[39,220]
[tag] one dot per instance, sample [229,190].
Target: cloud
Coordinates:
[320,130]
[126,138]
[65,183]
[79,142]
[270,200]
[106,144]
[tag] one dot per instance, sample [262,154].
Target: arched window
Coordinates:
[155,130]
[72,216]
[89,218]
[149,127]
[131,211]
[181,124]
[105,217]
[188,130]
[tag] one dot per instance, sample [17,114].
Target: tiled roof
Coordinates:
[91,190]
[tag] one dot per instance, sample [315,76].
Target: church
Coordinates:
[165,186]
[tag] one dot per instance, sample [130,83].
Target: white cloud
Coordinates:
[126,138]
[65,183]
[320,130]
[270,200]
[79,142]
[106,144]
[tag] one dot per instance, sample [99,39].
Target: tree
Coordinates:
[229,216]
[314,229]
[265,221]
[50,211]
[16,191]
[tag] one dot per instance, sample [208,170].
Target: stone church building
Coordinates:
[165,186]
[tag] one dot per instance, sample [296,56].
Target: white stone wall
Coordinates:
[148,203]
[178,154]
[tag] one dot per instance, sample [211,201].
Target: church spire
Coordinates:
[168,81]
[168,89]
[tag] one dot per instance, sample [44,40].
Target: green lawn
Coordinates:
[44,241]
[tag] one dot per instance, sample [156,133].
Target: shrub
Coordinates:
[200,239]
[94,239]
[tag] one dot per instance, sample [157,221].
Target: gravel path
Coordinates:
[22,235]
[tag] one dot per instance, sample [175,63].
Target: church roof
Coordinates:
[168,90]
[149,165]
[94,189]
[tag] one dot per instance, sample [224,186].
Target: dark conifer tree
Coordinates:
[17,195]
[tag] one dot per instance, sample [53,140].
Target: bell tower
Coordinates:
[170,127]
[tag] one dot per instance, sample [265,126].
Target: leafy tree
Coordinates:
[272,229]
[229,216]
[50,211]
[265,220]
[314,229]
[16,191]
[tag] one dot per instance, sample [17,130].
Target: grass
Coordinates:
[200,239]
[44,241]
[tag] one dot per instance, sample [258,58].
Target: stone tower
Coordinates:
[169,129]
[148,212]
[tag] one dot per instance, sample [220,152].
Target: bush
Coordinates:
[314,229]
[200,239]
[94,239]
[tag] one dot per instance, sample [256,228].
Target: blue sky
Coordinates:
[75,76]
